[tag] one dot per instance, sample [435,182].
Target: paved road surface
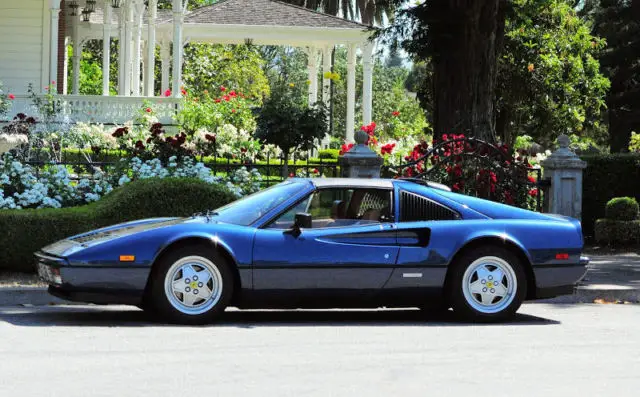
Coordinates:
[549,350]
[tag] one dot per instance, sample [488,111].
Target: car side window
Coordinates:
[339,207]
[414,207]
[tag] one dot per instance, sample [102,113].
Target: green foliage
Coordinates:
[622,209]
[286,121]
[618,22]
[212,110]
[26,231]
[287,64]
[607,176]
[4,101]
[617,232]
[396,113]
[329,153]
[236,67]
[90,76]
[634,143]
[549,81]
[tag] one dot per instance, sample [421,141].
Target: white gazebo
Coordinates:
[143,28]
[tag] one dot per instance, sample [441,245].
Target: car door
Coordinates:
[425,239]
[351,246]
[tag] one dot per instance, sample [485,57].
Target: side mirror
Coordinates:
[302,221]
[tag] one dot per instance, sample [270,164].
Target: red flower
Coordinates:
[223,88]
[148,110]
[456,187]
[53,82]
[388,148]
[315,171]
[183,91]
[218,100]
[120,132]
[210,138]
[531,179]
[11,96]
[445,137]
[139,145]
[167,93]
[226,98]
[243,150]
[508,198]
[395,114]
[345,148]
[533,192]
[233,94]
[233,110]
[291,175]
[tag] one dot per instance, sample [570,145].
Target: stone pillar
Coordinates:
[54,6]
[367,82]
[178,18]
[351,92]
[150,60]
[106,48]
[564,170]
[165,59]
[360,161]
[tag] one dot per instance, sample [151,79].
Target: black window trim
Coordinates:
[456,214]
[275,217]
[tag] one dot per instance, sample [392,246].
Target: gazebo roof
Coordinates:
[266,13]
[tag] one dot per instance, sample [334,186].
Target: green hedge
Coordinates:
[617,232]
[329,154]
[26,231]
[622,209]
[607,176]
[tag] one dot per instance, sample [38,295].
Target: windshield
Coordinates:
[251,208]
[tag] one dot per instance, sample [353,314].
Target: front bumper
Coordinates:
[556,280]
[92,284]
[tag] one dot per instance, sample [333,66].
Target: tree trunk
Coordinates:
[464,40]
[285,165]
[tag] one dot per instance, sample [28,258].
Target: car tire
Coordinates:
[487,284]
[190,285]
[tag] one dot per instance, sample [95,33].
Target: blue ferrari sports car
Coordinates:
[326,243]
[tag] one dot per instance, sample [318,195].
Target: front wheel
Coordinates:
[487,284]
[191,285]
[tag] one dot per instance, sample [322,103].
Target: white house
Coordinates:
[34,35]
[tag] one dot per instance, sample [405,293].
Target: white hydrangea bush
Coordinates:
[56,187]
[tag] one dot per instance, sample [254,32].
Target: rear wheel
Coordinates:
[191,285]
[487,284]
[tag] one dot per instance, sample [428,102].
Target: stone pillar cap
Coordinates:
[563,157]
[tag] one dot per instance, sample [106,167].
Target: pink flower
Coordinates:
[11,96]
[148,110]
[53,82]
[167,93]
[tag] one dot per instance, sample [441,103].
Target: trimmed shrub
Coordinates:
[329,154]
[622,209]
[617,232]
[607,176]
[26,231]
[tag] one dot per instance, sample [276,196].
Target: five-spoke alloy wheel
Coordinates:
[191,284]
[487,284]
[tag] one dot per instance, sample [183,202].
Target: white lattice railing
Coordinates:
[101,109]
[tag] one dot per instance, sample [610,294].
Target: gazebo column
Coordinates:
[106,48]
[367,82]
[122,16]
[312,67]
[351,92]
[137,48]
[178,19]
[54,6]
[165,59]
[326,71]
[150,60]
[128,31]
[77,54]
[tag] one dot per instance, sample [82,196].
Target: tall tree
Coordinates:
[369,12]
[462,39]
[618,21]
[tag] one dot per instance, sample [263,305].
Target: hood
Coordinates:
[78,242]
